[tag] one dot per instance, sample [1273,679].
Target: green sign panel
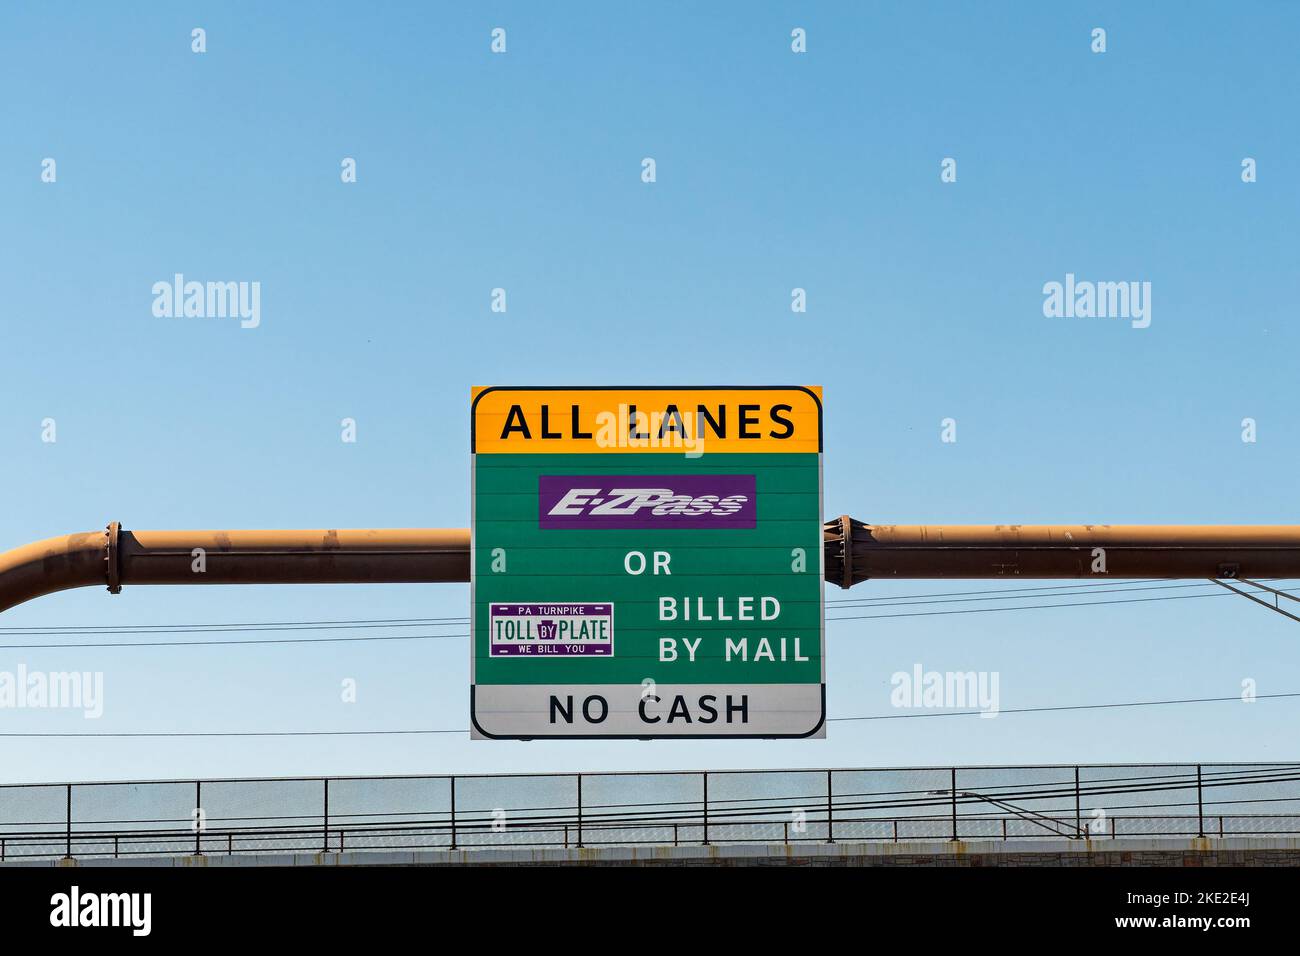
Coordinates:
[647,562]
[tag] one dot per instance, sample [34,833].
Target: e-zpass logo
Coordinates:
[593,502]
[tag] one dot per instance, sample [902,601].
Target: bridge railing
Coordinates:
[468,812]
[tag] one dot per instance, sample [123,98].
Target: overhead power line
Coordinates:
[208,628]
[1047,587]
[1099,587]
[1030,607]
[1043,710]
[965,597]
[384,733]
[415,622]
[257,627]
[227,643]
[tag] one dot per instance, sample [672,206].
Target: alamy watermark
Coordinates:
[22,689]
[209,300]
[630,427]
[1102,300]
[75,908]
[963,690]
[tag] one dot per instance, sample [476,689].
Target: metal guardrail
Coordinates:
[466,812]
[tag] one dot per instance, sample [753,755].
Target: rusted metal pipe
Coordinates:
[856,551]
[55,564]
[329,556]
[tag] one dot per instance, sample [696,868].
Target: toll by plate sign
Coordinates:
[647,562]
[565,629]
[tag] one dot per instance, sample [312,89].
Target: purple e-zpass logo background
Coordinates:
[625,502]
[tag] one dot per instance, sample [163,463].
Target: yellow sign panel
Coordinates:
[720,419]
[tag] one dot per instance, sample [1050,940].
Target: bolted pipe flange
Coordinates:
[112,570]
[846,536]
[837,551]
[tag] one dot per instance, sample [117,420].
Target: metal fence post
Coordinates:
[198,817]
[579,811]
[1078,814]
[69,831]
[1200,815]
[326,832]
[830,809]
[954,803]
[453,812]
[706,808]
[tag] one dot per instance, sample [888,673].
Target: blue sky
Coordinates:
[775,170]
